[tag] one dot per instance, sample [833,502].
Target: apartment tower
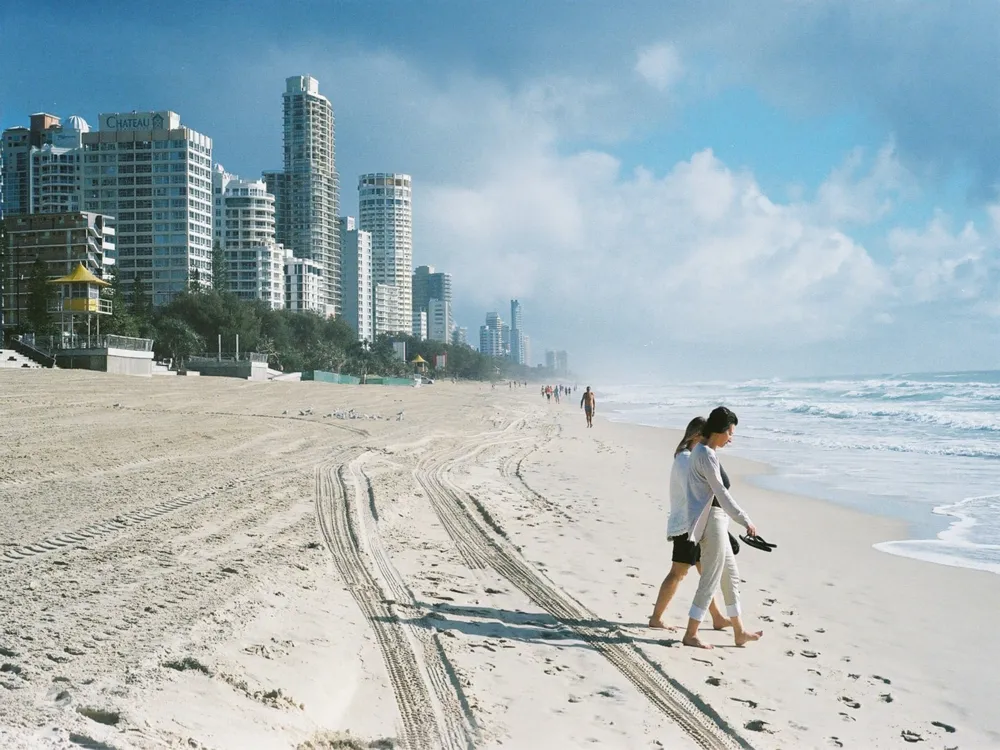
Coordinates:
[306,192]
[386,211]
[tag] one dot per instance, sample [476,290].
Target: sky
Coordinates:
[671,189]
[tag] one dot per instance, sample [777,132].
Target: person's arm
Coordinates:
[582,399]
[712,470]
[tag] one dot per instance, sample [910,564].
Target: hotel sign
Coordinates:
[135,121]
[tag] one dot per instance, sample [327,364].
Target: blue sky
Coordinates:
[795,187]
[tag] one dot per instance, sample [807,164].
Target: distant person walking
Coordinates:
[589,405]
[709,507]
[685,552]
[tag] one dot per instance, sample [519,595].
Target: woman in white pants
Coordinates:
[709,507]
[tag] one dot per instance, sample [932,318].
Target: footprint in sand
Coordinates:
[886,680]
[765,618]
[770,602]
[887,698]
[713,681]
[836,742]
[847,716]
[909,736]
[849,702]
[809,654]
[803,638]
[946,727]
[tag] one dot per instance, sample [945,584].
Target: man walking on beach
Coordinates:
[589,405]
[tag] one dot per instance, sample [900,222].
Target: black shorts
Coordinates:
[685,551]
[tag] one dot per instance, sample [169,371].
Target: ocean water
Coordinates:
[924,448]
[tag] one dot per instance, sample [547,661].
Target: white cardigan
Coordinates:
[677,521]
[704,481]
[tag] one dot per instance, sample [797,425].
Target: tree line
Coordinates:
[293,341]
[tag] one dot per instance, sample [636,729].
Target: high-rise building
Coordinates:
[15,156]
[491,335]
[303,284]
[154,176]
[460,336]
[419,327]
[62,241]
[307,192]
[387,310]
[244,230]
[439,321]
[428,285]
[562,363]
[385,210]
[517,349]
[356,277]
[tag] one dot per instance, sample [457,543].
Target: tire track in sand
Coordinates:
[432,714]
[122,521]
[489,548]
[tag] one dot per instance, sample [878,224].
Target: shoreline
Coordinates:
[917,529]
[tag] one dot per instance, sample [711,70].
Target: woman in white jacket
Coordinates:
[684,553]
[709,507]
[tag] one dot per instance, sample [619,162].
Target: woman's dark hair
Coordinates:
[720,420]
[694,429]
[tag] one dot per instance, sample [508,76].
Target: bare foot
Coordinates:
[660,625]
[695,642]
[745,637]
[722,624]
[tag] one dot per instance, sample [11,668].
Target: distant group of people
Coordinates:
[700,508]
[550,392]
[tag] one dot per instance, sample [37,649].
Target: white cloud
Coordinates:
[935,263]
[849,197]
[659,66]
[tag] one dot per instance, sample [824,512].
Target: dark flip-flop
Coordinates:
[757,542]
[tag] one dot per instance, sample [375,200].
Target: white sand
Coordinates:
[195,568]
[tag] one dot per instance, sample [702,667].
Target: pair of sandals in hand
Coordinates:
[757,542]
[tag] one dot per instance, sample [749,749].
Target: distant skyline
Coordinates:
[681,190]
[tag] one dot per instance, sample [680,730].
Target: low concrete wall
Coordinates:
[114,361]
[228,368]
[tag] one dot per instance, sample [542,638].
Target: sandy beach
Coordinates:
[209,563]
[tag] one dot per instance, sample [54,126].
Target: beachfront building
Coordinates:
[460,336]
[387,306]
[428,285]
[154,175]
[244,230]
[307,192]
[63,241]
[491,336]
[303,284]
[439,321]
[42,166]
[518,349]
[419,329]
[356,277]
[385,210]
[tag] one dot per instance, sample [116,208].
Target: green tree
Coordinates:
[40,296]
[120,322]
[220,270]
[140,306]
[177,339]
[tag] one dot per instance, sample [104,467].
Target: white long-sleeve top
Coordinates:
[678,523]
[704,481]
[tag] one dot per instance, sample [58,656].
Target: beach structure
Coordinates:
[307,190]
[61,241]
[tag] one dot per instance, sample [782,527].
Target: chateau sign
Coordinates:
[136,121]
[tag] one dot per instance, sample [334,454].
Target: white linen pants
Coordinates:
[718,566]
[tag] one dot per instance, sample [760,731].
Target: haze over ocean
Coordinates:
[922,447]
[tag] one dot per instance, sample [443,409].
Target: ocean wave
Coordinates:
[975,421]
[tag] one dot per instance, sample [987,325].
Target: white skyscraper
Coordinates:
[154,176]
[387,308]
[307,192]
[303,284]
[244,230]
[439,321]
[385,210]
[356,277]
